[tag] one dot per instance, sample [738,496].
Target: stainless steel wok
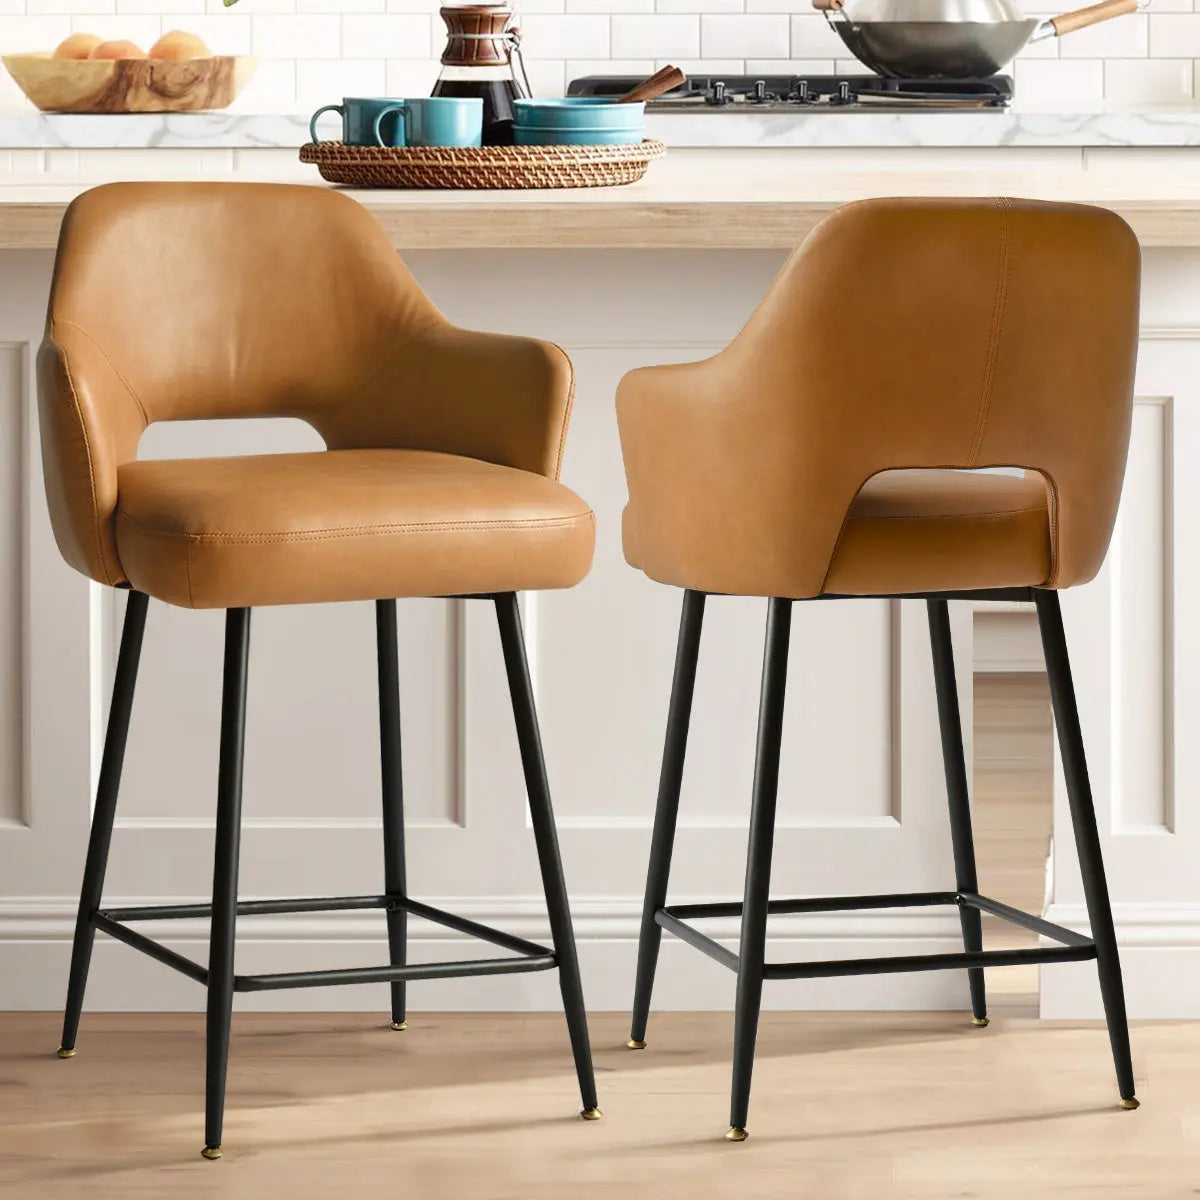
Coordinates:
[950,39]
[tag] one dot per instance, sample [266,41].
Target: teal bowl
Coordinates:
[578,121]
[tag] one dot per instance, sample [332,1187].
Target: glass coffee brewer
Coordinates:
[481,46]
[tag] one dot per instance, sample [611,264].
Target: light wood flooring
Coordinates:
[481,1107]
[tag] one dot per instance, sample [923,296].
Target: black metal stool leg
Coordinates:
[1087,837]
[752,949]
[393,796]
[666,811]
[950,721]
[542,813]
[102,817]
[225,872]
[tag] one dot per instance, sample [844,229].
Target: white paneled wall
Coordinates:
[312,51]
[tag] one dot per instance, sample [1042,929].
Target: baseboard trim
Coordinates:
[1160,961]
[35,938]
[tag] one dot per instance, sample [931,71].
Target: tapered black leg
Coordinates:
[950,721]
[393,796]
[225,872]
[529,739]
[105,811]
[752,949]
[666,812]
[1087,837]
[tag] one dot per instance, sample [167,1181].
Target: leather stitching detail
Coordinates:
[345,531]
[87,447]
[984,516]
[566,418]
[187,566]
[998,310]
[112,365]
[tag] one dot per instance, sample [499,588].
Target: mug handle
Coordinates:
[384,112]
[312,123]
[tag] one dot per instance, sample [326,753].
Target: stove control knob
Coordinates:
[718,93]
[843,93]
[760,92]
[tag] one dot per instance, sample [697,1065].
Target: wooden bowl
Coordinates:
[129,85]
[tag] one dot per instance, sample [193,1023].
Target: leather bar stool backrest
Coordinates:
[903,333]
[174,301]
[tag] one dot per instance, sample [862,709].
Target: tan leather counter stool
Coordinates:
[440,479]
[816,459]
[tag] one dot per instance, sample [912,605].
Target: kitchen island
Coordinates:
[667,269]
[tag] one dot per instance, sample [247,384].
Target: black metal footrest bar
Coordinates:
[1074,947]
[529,955]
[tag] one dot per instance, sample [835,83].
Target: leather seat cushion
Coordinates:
[344,525]
[919,531]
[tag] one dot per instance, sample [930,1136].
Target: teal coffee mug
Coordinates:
[366,121]
[432,121]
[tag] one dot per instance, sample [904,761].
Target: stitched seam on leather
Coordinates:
[1003,512]
[998,308]
[566,421]
[1052,578]
[187,566]
[345,531]
[87,446]
[112,366]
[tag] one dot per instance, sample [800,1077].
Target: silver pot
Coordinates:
[950,39]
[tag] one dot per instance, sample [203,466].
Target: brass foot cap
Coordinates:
[591,1114]
[734,1134]
[979,1022]
[1131,1102]
[211,1152]
[399,1026]
[634,1044]
[64,1053]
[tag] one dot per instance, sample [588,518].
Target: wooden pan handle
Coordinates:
[1081,18]
[658,83]
[829,5]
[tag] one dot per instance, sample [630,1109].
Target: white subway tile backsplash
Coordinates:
[338,6]
[547,77]
[1148,80]
[300,35]
[75,6]
[605,7]
[271,89]
[153,8]
[228,33]
[1058,82]
[1124,37]
[21,34]
[1175,35]
[812,38]
[744,34]
[568,35]
[663,35]
[699,6]
[311,49]
[388,35]
[326,80]
[411,76]
[143,31]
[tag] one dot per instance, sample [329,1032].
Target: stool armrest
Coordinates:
[90,425]
[489,396]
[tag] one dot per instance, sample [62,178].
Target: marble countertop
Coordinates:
[1162,127]
[691,199]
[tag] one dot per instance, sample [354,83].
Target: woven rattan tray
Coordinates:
[480,167]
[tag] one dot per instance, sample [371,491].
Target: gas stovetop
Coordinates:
[808,93]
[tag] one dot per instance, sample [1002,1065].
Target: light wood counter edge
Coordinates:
[682,225]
